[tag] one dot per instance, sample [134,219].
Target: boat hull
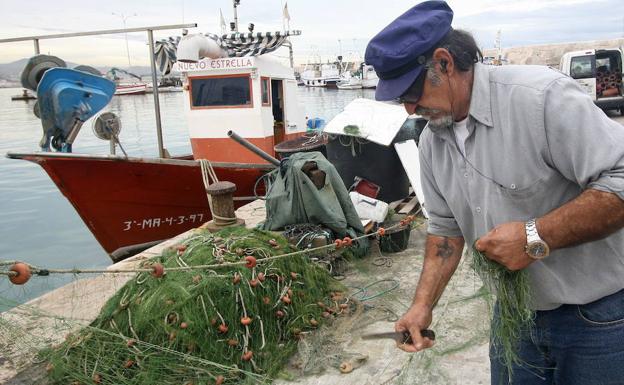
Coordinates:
[133,89]
[130,204]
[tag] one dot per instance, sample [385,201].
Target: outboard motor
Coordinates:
[66,99]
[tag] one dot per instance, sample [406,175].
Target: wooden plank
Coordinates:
[395,204]
[409,206]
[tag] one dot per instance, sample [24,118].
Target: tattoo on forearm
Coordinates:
[444,249]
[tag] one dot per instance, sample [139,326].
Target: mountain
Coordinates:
[10,72]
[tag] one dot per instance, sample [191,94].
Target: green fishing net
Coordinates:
[215,325]
[514,315]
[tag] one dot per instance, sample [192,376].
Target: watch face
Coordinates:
[537,250]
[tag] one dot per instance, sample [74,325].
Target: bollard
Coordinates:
[222,206]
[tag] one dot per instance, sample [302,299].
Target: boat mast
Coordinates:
[150,37]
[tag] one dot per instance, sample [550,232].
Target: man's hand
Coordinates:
[416,319]
[505,244]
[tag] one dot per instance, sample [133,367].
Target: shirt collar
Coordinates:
[480,107]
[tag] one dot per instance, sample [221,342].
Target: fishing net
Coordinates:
[513,306]
[226,323]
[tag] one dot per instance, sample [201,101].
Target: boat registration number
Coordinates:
[150,223]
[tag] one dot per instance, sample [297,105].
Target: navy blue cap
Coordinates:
[398,52]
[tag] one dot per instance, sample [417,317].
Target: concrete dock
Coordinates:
[460,322]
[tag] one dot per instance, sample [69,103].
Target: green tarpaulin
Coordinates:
[293,197]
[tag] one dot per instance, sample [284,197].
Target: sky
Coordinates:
[329,27]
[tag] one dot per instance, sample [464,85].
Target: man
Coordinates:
[520,160]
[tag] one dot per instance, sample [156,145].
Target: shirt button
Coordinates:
[513,186]
[478,209]
[465,175]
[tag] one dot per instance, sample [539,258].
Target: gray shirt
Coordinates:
[536,141]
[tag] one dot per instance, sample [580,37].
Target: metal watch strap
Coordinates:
[531,232]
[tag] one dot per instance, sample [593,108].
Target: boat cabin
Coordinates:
[255,97]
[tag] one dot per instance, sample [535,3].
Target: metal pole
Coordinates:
[235,16]
[290,54]
[253,148]
[36,41]
[161,149]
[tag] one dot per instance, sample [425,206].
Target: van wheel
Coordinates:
[622,111]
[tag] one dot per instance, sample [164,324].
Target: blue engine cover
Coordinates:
[67,98]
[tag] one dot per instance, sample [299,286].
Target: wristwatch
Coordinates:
[536,248]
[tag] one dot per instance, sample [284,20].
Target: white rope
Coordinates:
[209,176]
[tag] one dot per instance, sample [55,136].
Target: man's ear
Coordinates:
[445,59]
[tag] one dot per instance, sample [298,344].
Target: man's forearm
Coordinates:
[442,255]
[591,216]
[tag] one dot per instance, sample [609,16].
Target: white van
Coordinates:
[600,73]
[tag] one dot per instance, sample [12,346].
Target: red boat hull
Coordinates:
[130,204]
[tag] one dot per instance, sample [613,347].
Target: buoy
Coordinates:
[338,243]
[261,277]
[223,328]
[158,270]
[247,355]
[347,241]
[219,380]
[23,273]
[251,262]
[381,231]
[246,321]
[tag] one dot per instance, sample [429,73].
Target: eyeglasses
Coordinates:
[414,92]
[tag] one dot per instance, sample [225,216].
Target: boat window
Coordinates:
[266,91]
[582,67]
[221,91]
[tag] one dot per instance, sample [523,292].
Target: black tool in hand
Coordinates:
[402,337]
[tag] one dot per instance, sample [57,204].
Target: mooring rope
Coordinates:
[208,174]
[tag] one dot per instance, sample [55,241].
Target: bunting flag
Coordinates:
[222,22]
[235,44]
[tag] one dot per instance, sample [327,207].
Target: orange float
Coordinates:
[158,270]
[251,262]
[23,273]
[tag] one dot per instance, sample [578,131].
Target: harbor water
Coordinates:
[39,226]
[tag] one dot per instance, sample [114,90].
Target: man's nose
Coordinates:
[410,108]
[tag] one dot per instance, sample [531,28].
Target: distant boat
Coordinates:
[131,89]
[321,75]
[166,89]
[125,87]
[350,82]
[366,77]
[369,77]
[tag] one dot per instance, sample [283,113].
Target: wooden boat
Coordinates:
[130,203]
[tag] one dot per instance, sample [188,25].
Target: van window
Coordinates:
[582,67]
[224,91]
[603,65]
